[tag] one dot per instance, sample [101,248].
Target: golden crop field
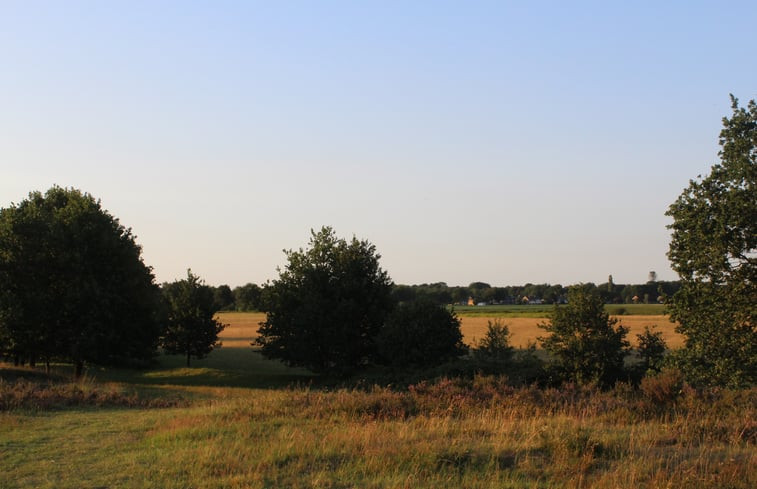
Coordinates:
[243,328]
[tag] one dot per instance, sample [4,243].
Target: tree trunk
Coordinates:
[188,355]
[47,366]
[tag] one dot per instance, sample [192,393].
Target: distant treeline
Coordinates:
[247,297]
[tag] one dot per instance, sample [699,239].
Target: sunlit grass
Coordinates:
[446,436]
[247,422]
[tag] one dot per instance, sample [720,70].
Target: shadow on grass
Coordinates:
[224,367]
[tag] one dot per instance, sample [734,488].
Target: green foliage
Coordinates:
[72,283]
[584,341]
[247,297]
[651,350]
[192,329]
[327,306]
[223,298]
[714,251]
[495,345]
[420,334]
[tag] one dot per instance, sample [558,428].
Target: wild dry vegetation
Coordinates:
[482,433]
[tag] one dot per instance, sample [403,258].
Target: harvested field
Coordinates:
[243,328]
[525,330]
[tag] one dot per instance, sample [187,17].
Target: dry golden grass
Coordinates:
[242,328]
[525,330]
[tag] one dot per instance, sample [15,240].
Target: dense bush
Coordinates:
[651,349]
[495,346]
[419,334]
[585,344]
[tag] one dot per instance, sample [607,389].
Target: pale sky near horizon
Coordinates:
[503,142]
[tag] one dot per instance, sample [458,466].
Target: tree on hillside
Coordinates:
[421,334]
[714,251]
[326,307]
[72,283]
[192,329]
[584,341]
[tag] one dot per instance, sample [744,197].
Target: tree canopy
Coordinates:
[73,284]
[584,341]
[192,329]
[326,307]
[714,251]
[420,334]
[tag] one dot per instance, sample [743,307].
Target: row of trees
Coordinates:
[73,287]
[247,297]
[317,317]
[242,298]
[481,292]
[331,311]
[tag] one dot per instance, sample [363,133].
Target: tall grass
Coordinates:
[482,433]
[237,420]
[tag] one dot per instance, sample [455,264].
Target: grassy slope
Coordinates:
[267,435]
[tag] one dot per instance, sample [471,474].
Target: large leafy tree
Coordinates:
[585,343]
[73,284]
[326,307]
[714,251]
[192,328]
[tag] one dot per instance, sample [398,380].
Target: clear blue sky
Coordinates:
[505,142]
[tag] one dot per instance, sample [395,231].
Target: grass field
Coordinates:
[236,420]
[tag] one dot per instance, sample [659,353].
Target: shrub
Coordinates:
[652,348]
[585,343]
[495,345]
[663,389]
[420,334]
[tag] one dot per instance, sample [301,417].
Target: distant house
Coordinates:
[471,302]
